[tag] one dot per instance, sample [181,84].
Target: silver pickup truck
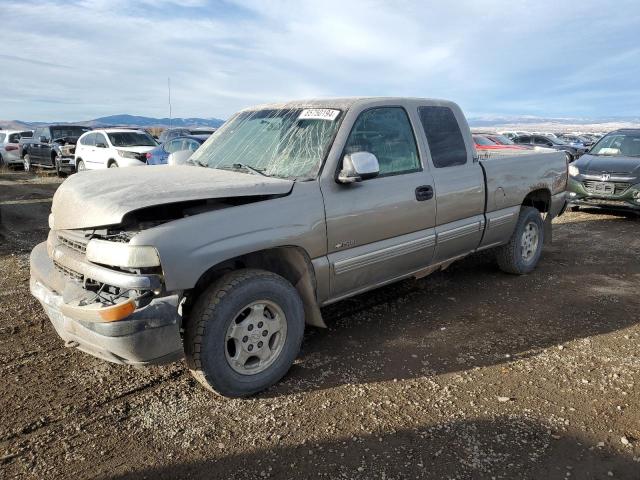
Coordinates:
[285,209]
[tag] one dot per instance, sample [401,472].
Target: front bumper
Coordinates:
[68,164]
[150,335]
[626,201]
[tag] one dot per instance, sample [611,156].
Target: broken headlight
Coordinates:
[122,255]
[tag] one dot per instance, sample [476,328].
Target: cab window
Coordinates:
[386,132]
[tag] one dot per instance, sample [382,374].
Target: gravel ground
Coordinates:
[468,373]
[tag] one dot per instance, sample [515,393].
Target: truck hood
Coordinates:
[595,164]
[98,198]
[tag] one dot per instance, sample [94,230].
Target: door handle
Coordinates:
[424,192]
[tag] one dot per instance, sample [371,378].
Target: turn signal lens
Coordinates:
[117,312]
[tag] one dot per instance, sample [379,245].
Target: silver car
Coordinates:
[9,150]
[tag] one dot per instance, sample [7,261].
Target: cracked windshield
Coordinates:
[285,143]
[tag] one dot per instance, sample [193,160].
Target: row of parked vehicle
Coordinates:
[573,145]
[70,148]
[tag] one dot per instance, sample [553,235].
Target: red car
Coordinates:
[484,143]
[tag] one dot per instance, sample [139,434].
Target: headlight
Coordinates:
[573,171]
[122,254]
[127,154]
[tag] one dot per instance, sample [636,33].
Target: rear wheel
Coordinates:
[521,254]
[113,165]
[244,332]
[26,161]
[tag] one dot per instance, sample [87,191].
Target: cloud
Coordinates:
[88,58]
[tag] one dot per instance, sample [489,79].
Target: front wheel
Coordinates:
[26,161]
[521,254]
[244,332]
[57,162]
[80,166]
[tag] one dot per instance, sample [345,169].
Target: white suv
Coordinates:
[113,147]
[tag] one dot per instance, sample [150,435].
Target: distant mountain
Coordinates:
[122,120]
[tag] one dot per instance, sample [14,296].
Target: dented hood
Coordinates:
[103,197]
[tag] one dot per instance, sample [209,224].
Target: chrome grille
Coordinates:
[609,188]
[68,272]
[79,244]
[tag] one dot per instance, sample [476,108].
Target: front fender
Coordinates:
[190,246]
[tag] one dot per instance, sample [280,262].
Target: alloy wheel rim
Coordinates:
[255,337]
[529,241]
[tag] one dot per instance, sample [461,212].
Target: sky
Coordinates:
[79,60]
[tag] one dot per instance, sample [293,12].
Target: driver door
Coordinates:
[381,228]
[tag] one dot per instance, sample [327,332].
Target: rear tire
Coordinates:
[26,162]
[522,253]
[113,164]
[244,332]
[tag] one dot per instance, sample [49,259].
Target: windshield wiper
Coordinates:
[197,162]
[243,166]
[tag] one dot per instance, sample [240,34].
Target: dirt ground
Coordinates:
[468,373]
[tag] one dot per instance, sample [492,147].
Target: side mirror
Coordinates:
[101,145]
[358,166]
[179,158]
[42,139]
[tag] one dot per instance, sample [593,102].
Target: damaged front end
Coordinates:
[106,297]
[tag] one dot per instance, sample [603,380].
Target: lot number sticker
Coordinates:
[319,114]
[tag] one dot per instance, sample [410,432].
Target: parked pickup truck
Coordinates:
[285,209]
[52,147]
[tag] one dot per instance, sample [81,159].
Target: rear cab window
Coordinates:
[444,136]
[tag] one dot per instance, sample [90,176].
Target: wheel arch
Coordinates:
[290,262]
[110,161]
[540,199]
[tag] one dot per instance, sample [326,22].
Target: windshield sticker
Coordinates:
[319,114]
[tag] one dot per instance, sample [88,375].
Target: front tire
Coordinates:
[57,163]
[244,332]
[80,166]
[522,253]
